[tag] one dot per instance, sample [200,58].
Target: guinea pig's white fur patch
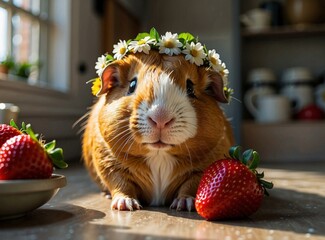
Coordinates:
[162,165]
[173,101]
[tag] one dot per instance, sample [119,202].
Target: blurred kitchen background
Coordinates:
[274,50]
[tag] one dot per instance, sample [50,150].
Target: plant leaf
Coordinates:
[154,34]
[255,161]
[247,156]
[260,175]
[30,132]
[56,156]
[23,127]
[235,152]
[109,58]
[50,146]
[13,124]
[141,36]
[266,184]
[187,37]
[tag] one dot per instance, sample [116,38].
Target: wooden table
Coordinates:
[295,210]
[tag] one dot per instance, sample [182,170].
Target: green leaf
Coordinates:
[260,175]
[154,34]
[247,156]
[251,159]
[109,58]
[13,124]
[30,132]
[255,161]
[183,41]
[50,146]
[56,156]
[235,152]
[141,36]
[23,127]
[187,37]
[266,184]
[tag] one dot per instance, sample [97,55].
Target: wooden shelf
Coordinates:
[285,31]
[295,141]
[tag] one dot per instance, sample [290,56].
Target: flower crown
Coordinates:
[169,44]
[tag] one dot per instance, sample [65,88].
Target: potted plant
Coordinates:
[6,65]
[23,69]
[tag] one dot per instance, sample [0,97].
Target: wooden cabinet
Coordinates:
[118,23]
[281,48]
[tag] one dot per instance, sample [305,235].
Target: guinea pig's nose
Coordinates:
[160,120]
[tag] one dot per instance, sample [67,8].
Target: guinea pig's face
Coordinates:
[157,102]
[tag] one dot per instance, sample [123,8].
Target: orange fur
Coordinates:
[112,145]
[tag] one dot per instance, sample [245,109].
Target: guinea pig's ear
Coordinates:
[109,79]
[216,87]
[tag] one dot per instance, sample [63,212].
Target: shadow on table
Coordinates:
[49,216]
[70,222]
[284,210]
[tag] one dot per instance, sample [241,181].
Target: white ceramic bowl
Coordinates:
[18,197]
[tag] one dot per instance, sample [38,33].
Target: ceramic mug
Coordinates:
[298,87]
[8,111]
[262,82]
[256,19]
[272,109]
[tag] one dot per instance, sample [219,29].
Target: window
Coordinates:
[24,27]
[37,32]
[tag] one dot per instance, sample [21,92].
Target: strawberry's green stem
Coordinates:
[55,154]
[251,159]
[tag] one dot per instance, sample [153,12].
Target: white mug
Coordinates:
[297,86]
[300,96]
[253,95]
[273,109]
[262,82]
[8,111]
[256,19]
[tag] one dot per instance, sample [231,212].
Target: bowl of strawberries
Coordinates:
[27,163]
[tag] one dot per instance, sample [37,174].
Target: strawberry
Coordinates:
[25,156]
[231,187]
[7,132]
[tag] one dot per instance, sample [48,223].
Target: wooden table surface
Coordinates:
[295,210]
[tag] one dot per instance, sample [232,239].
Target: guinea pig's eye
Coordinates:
[132,85]
[190,88]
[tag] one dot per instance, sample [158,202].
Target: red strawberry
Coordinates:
[7,132]
[14,163]
[26,157]
[231,188]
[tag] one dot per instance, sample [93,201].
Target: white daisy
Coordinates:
[224,72]
[214,59]
[141,45]
[100,64]
[194,53]
[120,49]
[170,44]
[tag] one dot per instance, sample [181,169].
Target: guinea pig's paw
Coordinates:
[183,204]
[125,204]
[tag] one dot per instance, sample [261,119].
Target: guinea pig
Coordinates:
[155,128]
